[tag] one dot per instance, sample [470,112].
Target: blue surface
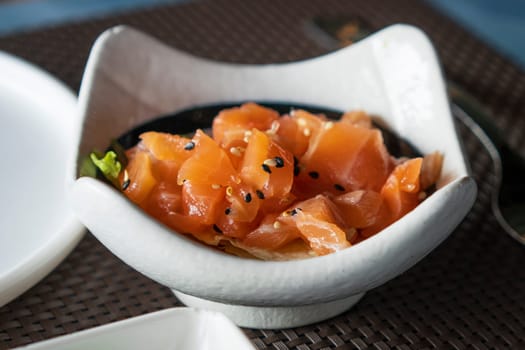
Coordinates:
[500,23]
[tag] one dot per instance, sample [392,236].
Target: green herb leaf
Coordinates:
[108,165]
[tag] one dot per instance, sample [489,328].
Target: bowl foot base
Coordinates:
[270,317]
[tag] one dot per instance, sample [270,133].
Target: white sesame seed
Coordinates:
[270,162]
[273,129]
[247,135]
[307,132]
[237,151]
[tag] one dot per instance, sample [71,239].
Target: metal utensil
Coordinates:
[508,200]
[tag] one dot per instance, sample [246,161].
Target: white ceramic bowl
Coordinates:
[131,78]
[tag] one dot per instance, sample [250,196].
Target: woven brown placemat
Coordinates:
[467,294]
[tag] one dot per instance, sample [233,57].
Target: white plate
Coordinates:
[175,328]
[38,131]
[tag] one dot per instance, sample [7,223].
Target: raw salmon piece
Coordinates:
[165,204]
[296,129]
[359,208]
[209,164]
[401,191]
[343,157]
[290,137]
[227,226]
[230,124]
[141,179]
[242,203]
[185,224]
[357,118]
[168,152]
[164,146]
[277,204]
[320,224]
[201,200]
[372,164]
[164,198]
[272,234]
[239,213]
[251,169]
[266,166]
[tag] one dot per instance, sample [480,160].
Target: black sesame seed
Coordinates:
[189,146]
[266,168]
[260,194]
[339,187]
[296,168]
[294,211]
[279,162]
[314,174]
[227,211]
[216,228]
[248,197]
[125,184]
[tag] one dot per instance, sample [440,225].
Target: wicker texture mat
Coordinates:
[467,294]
